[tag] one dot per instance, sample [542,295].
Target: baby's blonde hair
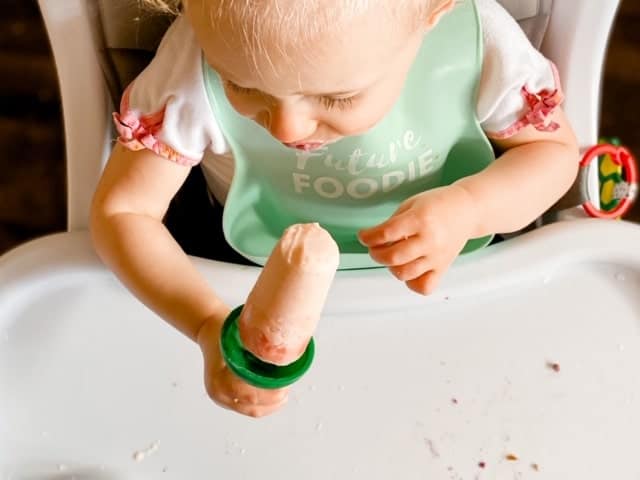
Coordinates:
[247,7]
[285,23]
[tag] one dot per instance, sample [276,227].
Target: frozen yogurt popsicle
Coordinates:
[284,307]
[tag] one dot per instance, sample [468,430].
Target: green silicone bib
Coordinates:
[431,137]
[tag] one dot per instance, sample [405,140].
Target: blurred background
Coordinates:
[32,175]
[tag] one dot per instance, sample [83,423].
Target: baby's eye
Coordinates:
[238,88]
[331,102]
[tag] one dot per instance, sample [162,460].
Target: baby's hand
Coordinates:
[422,238]
[226,389]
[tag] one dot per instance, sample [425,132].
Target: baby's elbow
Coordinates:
[570,150]
[101,220]
[570,159]
[97,222]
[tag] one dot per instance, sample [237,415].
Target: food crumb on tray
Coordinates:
[140,455]
[553,366]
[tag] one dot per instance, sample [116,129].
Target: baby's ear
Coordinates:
[442,7]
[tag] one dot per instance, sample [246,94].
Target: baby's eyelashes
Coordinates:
[341,103]
[238,89]
[327,101]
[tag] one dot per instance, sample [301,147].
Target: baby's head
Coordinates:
[312,71]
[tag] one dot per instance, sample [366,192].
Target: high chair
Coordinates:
[523,363]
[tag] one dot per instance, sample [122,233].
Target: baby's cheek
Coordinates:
[244,106]
[360,119]
[348,127]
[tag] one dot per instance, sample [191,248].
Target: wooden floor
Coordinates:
[32,184]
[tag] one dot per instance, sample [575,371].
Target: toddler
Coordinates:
[368,116]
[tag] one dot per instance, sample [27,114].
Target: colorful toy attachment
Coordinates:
[618,180]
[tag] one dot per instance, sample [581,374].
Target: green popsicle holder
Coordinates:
[251,369]
[430,138]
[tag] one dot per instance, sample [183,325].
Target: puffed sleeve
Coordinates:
[518,86]
[166,109]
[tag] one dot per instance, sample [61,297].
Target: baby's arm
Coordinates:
[422,238]
[535,169]
[126,225]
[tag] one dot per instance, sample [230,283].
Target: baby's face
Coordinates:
[341,83]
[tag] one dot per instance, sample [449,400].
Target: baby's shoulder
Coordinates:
[516,78]
[499,27]
[177,62]
[166,107]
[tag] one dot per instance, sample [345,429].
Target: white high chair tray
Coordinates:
[524,364]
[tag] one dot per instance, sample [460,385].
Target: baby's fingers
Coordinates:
[398,227]
[245,394]
[255,406]
[257,403]
[412,270]
[426,283]
[399,253]
[228,391]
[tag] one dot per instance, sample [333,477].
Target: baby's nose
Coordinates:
[290,126]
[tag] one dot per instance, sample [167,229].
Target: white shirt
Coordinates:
[166,108]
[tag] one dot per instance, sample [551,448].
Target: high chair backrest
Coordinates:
[100,45]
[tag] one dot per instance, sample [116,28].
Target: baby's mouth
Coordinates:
[306,146]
